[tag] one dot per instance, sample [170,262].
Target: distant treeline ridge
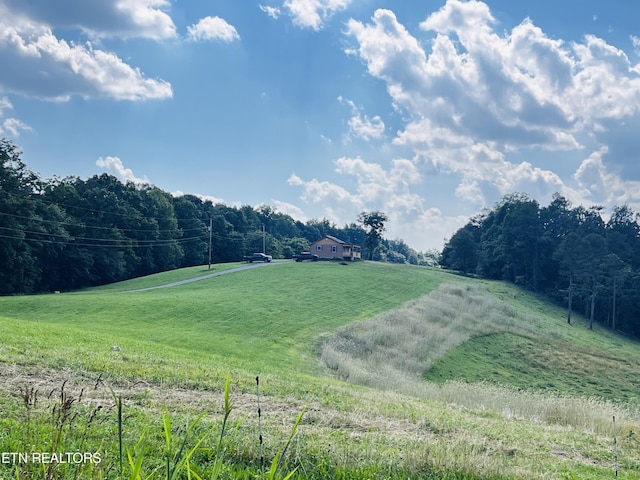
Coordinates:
[569,254]
[70,233]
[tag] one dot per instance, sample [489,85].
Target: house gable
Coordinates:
[331,247]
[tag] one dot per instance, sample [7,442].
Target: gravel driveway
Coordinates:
[204,277]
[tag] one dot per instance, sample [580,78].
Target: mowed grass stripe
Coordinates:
[527,363]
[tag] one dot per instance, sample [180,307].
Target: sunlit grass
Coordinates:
[177,345]
[265,319]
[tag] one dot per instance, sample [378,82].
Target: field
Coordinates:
[398,372]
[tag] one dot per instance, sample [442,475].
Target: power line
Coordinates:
[96,242]
[83,225]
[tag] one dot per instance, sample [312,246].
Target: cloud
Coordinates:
[376,188]
[212,28]
[318,192]
[478,163]
[290,209]
[636,44]
[313,13]
[44,66]
[387,189]
[361,126]
[603,186]
[100,18]
[365,127]
[427,231]
[273,12]
[473,97]
[10,126]
[204,198]
[115,167]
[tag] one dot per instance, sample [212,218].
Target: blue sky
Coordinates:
[427,110]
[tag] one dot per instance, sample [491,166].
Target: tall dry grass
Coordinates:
[387,350]
[393,350]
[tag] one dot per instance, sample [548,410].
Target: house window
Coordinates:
[334,249]
[319,248]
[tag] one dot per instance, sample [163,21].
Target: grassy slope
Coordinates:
[556,357]
[269,320]
[264,319]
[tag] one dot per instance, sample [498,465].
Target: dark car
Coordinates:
[257,257]
[305,256]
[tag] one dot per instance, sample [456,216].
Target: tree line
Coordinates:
[70,233]
[569,254]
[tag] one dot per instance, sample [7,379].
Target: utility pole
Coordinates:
[210,235]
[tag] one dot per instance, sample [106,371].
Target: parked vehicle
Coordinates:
[257,257]
[306,256]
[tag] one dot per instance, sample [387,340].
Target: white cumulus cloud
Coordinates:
[100,18]
[273,12]
[602,185]
[476,96]
[290,209]
[115,167]
[313,13]
[10,126]
[48,67]
[212,28]
[361,126]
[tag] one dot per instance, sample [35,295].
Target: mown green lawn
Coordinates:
[544,353]
[555,366]
[266,319]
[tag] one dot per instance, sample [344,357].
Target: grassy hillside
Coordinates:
[263,319]
[383,326]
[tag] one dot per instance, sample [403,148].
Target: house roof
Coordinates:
[335,239]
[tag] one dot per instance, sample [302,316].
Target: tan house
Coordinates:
[331,248]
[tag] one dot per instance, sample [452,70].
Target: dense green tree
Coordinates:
[556,221]
[374,225]
[72,267]
[592,262]
[193,226]
[492,258]
[569,254]
[512,241]
[353,233]
[317,229]
[167,252]
[461,252]
[20,229]
[293,246]
[397,251]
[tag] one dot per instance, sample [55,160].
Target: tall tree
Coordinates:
[568,257]
[509,241]
[592,260]
[461,251]
[374,225]
[193,226]
[19,242]
[556,221]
